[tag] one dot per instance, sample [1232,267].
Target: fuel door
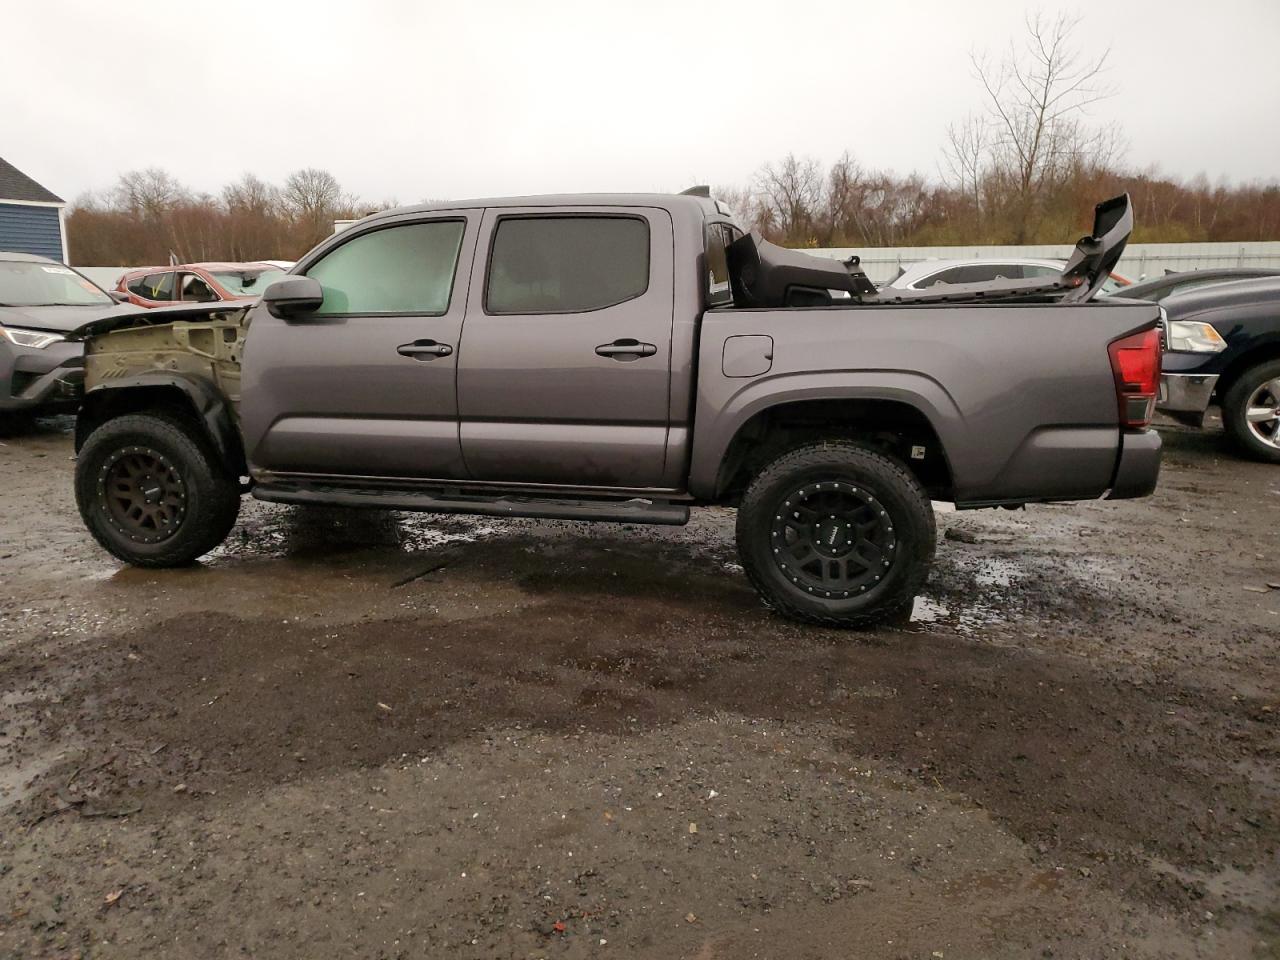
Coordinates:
[747,356]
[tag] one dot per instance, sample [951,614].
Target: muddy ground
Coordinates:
[381,735]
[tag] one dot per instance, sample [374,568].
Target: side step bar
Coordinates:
[501,505]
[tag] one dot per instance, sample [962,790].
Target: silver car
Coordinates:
[926,273]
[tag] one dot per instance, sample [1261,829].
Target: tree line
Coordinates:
[149,217]
[1026,167]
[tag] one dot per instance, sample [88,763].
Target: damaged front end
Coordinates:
[764,275]
[166,345]
[184,360]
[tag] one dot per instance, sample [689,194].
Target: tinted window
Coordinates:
[155,286]
[194,289]
[405,269]
[1037,271]
[566,264]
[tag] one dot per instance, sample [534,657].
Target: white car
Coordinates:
[926,273]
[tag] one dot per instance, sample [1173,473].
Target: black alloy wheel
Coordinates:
[833,539]
[142,494]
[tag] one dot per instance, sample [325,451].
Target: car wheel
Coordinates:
[1251,412]
[152,492]
[836,533]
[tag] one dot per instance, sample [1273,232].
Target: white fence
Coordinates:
[1141,261]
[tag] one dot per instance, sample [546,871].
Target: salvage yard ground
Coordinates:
[380,735]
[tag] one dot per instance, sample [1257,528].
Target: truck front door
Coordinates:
[366,384]
[564,371]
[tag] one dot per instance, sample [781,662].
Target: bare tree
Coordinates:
[311,192]
[1036,98]
[150,193]
[965,157]
[790,193]
[251,195]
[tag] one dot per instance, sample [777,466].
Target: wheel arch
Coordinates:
[1258,353]
[892,425]
[191,398]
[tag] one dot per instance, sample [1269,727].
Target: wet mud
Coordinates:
[373,734]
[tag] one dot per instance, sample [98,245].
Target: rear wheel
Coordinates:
[836,533]
[152,492]
[1251,412]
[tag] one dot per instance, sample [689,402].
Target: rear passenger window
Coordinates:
[566,264]
[404,269]
[155,286]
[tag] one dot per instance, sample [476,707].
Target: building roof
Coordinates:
[16,185]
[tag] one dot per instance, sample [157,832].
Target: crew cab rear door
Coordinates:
[563,371]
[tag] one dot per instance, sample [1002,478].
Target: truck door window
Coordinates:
[154,286]
[406,269]
[566,264]
[195,290]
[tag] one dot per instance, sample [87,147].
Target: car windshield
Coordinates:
[249,282]
[27,284]
[1111,285]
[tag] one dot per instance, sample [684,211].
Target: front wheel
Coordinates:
[836,533]
[152,492]
[1251,412]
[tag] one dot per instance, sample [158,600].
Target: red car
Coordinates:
[197,283]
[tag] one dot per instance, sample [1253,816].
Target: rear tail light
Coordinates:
[1135,363]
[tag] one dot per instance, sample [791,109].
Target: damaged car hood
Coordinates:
[138,316]
[59,318]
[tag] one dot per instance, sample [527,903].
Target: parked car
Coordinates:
[926,273]
[197,283]
[1173,282]
[1223,346]
[624,357]
[40,302]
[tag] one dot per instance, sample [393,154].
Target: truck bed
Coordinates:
[1021,396]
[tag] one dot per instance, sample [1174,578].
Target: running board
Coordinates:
[504,505]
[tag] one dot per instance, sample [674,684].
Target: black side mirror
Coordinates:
[291,296]
[119,296]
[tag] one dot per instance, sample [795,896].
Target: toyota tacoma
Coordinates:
[624,358]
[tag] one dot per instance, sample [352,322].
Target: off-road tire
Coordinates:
[210,496]
[838,465]
[1234,404]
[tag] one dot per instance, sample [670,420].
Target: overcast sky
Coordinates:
[406,101]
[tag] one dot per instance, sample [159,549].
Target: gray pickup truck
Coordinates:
[624,358]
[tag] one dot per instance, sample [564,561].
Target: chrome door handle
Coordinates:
[424,349]
[626,349]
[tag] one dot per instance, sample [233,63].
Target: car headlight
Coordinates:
[1188,336]
[29,338]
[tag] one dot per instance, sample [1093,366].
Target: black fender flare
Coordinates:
[208,404]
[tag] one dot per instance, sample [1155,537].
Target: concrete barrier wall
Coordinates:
[1141,261]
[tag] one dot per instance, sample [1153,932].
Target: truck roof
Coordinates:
[704,205]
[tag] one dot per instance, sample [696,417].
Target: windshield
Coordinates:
[247,283]
[26,284]
[1111,285]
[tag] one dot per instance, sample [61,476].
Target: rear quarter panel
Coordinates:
[1020,395]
